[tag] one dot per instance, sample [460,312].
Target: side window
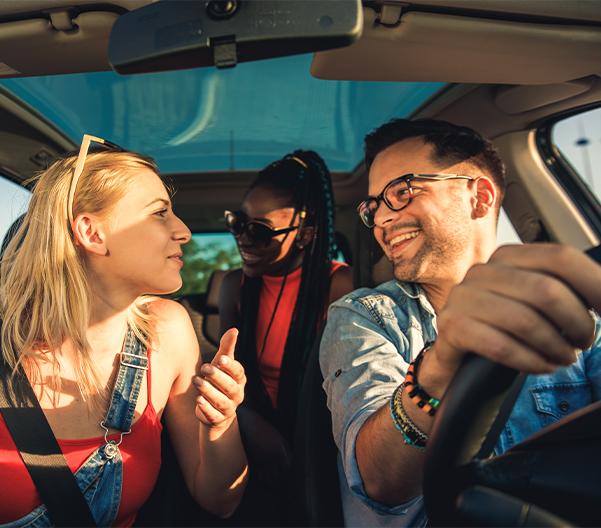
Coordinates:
[506,234]
[205,253]
[578,138]
[14,201]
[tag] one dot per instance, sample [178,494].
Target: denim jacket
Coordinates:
[370,338]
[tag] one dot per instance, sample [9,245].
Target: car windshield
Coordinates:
[212,120]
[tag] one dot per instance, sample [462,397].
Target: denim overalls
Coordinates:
[101,476]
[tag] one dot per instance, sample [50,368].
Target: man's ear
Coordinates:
[88,233]
[304,236]
[484,197]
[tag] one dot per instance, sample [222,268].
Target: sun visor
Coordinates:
[433,47]
[39,46]
[175,35]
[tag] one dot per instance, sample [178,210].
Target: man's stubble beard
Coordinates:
[437,256]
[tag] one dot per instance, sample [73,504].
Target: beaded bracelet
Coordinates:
[412,434]
[415,391]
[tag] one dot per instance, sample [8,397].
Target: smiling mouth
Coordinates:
[403,237]
[249,258]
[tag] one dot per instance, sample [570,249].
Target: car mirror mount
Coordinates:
[182,34]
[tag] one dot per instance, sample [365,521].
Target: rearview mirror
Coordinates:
[182,34]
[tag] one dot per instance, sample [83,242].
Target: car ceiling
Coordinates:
[76,37]
[516,61]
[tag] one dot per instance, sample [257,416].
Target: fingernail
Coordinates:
[207,369]
[223,360]
[198,381]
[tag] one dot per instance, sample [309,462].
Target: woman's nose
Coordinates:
[181,232]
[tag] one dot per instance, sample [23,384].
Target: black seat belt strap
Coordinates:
[41,453]
[506,407]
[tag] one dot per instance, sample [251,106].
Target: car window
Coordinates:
[578,138]
[14,201]
[204,254]
[506,234]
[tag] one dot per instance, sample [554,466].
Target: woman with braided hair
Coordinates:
[278,301]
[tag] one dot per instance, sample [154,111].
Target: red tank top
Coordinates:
[140,451]
[270,361]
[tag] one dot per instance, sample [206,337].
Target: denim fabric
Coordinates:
[128,383]
[101,476]
[547,398]
[370,338]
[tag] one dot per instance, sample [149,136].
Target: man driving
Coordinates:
[388,354]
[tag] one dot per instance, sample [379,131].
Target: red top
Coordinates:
[140,451]
[271,360]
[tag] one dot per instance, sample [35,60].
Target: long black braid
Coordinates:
[303,178]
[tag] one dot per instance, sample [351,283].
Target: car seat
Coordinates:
[315,497]
[315,494]
[203,309]
[371,266]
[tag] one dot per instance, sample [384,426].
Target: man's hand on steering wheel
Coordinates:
[527,309]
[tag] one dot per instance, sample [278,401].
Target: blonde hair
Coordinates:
[45,295]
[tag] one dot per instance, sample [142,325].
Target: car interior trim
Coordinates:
[524,53]
[535,183]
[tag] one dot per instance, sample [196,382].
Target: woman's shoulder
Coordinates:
[170,318]
[175,341]
[165,309]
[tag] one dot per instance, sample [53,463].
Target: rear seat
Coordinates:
[204,313]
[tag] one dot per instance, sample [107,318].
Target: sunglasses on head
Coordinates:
[259,234]
[81,159]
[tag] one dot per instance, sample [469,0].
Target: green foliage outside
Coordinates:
[203,255]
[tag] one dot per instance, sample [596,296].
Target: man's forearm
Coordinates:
[390,469]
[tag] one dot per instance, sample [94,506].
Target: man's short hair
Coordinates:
[451,144]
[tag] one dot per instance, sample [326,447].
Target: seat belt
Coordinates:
[497,426]
[41,453]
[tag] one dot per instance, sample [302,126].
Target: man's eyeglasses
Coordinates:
[259,234]
[398,194]
[81,159]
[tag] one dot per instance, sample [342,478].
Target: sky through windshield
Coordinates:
[208,119]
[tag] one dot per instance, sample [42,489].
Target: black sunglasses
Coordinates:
[259,234]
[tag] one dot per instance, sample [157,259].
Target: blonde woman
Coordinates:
[99,236]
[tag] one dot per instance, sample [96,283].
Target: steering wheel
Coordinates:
[552,478]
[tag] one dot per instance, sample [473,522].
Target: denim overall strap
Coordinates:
[100,478]
[133,364]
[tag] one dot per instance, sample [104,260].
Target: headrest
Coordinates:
[214,287]
[371,266]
